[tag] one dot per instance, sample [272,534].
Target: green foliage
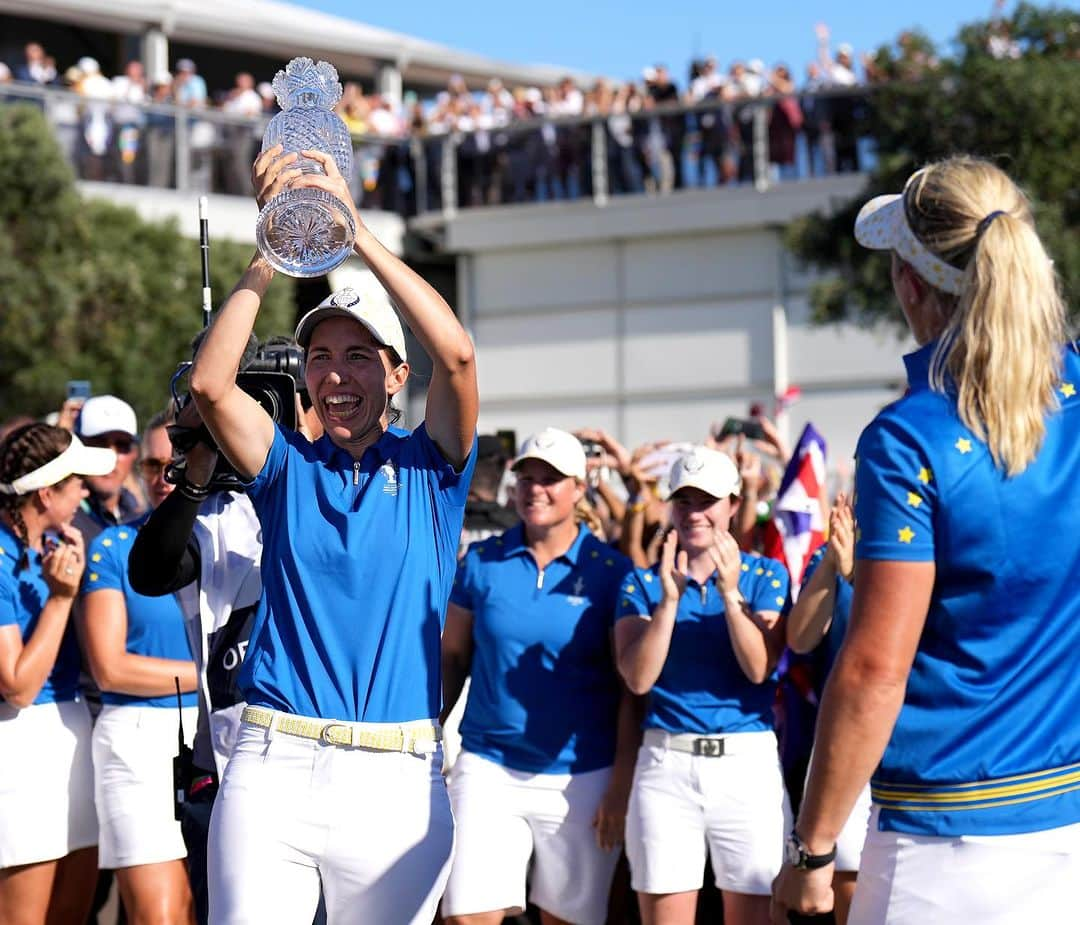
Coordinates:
[1023,114]
[88,290]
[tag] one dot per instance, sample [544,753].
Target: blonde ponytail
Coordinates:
[1002,343]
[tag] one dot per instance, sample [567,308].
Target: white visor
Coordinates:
[75,460]
[881,225]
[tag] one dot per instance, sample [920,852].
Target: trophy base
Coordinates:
[305,232]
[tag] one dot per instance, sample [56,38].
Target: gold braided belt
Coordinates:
[418,738]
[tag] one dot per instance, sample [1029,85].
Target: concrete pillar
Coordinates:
[388,82]
[155,52]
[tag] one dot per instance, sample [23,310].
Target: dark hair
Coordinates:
[22,451]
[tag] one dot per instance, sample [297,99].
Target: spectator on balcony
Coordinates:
[746,83]
[160,134]
[820,154]
[665,92]
[240,137]
[189,88]
[785,121]
[130,91]
[37,68]
[839,75]
[569,102]
[711,86]
[96,91]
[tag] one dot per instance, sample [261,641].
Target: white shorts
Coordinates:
[373,827]
[504,817]
[133,786]
[46,782]
[734,805]
[988,879]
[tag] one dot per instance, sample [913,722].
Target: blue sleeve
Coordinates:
[765,585]
[452,484]
[637,597]
[8,612]
[895,494]
[813,563]
[106,559]
[463,594]
[276,459]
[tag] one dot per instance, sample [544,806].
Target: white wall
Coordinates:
[627,318]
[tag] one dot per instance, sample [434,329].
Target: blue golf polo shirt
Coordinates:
[701,687]
[544,694]
[988,738]
[23,593]
[155,625]
[358,560]
[826,651]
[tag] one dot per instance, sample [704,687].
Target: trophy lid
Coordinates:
[303,82]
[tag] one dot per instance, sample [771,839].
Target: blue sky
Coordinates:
[619,37]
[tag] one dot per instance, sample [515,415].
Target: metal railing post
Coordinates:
[183,150]
[449,175]
[599,163]
[761,147]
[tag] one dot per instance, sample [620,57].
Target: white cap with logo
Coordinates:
[710,471]
[559,449]
[106,414]
[372,310]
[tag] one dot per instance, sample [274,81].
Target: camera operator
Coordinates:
[204,543]
[484,515]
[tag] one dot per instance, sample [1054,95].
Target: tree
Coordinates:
[88,290]
[1022,113]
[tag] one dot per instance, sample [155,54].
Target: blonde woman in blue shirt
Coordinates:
[955,691]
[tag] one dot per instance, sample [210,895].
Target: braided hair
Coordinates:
[22,451]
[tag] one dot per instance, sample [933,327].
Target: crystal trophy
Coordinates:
[307,232]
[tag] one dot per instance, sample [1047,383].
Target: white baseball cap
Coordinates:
[709,470]
[882,225]
[75,460]
[106,414]
[559,449]
[373,311]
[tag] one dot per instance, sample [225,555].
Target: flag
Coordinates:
[797,527]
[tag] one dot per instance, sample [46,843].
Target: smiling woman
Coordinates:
[341,735]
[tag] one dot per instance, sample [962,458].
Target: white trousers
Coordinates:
[373,827]
[988,879]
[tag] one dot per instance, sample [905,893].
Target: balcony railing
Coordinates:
[760,141]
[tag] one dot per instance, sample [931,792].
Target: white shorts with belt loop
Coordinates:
[723,793]
[989,879]
[133,787]
[507,817]
[46,782]
[372,826]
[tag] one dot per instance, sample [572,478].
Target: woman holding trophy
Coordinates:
[336,775]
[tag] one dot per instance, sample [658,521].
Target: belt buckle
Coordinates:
[336,734]
[709,748]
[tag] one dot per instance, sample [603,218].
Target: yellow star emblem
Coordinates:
[745,567]
[759,571]
[1067,390]
[96,557]
[93,576]
[925,475]
[123,534]
[648,576]
[775,583]
[905,534]
[629,589]
[595,554]
[963,445]
[609,562]
[779,602]
[1,550]
[913,499]
[106,542]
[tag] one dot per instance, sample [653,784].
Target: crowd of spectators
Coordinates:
[748,122]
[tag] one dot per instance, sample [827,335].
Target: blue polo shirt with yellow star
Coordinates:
[544,694]
[155,625]
[23,593]
[988,739]
[701,687]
